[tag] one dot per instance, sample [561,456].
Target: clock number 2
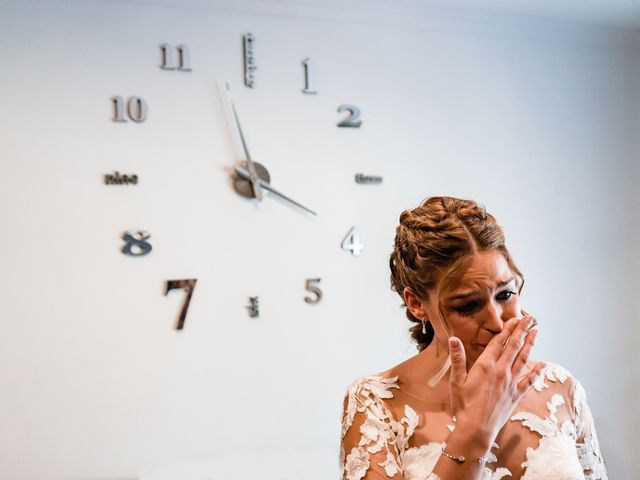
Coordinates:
[188,285]
[353,120]
[351,242]
[313,288]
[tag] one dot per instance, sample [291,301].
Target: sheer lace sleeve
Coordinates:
[587,441]
[372,440]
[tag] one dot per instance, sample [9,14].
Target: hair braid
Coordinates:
[434,238]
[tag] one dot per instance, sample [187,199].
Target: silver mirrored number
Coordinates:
[253,307]
[187,285]
[184,58]
[136,244]
[248,41]
[308,78]
[351,242]
[168,57]
[353,119]
[136,109]
[118,106]
[311,286]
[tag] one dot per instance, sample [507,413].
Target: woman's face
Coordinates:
[476,302]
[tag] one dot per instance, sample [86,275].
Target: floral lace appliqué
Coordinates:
[380,430]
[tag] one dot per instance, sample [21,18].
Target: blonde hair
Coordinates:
[433,241]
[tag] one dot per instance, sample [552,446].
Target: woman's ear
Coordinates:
[414,303]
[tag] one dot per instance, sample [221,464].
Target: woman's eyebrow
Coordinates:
[476,292]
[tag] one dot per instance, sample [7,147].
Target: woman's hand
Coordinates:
[484,398]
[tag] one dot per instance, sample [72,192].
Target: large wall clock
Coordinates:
[167,314]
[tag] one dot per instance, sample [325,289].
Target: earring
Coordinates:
[424,326]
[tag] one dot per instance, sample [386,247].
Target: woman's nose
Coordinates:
[492,320]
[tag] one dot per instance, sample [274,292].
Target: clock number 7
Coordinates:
[188,285]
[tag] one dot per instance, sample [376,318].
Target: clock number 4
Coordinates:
[188,285]
[311,286]
[353,120]
[136,109]
[351,242]
[169,58]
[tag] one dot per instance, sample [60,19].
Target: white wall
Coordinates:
[538,122]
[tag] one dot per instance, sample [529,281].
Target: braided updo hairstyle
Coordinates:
[432,240]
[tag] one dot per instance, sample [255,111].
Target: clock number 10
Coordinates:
[136,109]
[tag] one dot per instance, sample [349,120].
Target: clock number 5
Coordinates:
[353,120]
[188,285]
[313,288]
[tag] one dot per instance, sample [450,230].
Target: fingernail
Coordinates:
[531,323]
[452,343]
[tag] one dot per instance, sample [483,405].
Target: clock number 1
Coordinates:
[308,79]
[353,120]
[313,288]
[188,285]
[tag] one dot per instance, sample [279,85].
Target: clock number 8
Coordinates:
[188,285]
[136,243]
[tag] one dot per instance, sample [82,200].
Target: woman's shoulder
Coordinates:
[378,385]
[551,374]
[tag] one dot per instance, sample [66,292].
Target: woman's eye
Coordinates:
[466,308]
[506,295]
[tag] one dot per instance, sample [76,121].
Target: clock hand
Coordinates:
[253,176]
[242,173]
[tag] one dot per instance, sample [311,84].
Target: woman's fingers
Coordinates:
[523,355]
[458,361]
[516,341]
[496,345]
[528,379]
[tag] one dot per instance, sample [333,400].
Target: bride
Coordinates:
[470,404]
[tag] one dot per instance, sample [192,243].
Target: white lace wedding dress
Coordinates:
[389,434]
